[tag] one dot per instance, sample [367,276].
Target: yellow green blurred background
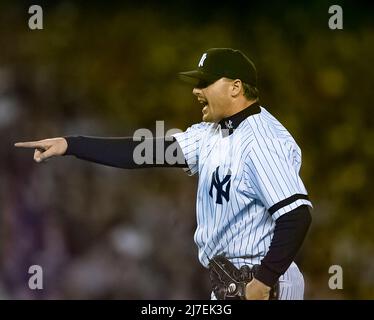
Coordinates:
[109,68]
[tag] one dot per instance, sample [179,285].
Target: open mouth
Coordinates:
[204,103]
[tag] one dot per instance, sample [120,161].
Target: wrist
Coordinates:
[266,275]
[72,145]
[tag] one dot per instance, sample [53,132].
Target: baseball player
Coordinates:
[252,207]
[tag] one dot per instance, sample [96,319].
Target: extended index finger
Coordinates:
[29,144]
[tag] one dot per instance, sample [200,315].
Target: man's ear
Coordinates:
[236,87]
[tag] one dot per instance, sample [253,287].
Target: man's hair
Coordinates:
[250,92]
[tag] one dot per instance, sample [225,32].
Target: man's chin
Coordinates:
[207,118]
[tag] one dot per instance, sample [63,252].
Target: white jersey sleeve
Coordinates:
[190,142]
[273,174]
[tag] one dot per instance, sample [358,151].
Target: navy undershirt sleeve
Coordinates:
[118,152]
[289,233]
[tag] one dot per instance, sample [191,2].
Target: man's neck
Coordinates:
[232,122]
[239,106]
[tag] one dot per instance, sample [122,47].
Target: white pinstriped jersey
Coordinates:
[247,180]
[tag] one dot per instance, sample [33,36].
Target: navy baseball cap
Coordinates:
[217,63]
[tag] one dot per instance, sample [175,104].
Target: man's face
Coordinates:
[215,99]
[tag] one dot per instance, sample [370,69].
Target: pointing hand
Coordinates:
[45,149]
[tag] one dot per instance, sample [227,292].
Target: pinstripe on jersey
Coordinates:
[247,180]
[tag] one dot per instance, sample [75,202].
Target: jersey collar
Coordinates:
[232,122]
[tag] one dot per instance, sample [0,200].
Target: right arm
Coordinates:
[115,152]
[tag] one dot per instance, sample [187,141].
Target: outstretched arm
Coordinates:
[116,152]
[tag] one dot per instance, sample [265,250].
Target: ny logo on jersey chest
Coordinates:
[219,185]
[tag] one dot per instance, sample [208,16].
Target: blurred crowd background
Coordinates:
[107,69]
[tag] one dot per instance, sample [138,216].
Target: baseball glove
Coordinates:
[229,282]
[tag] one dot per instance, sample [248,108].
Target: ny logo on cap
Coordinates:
[201,63]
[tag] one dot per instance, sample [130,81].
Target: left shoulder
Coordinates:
[267,127]
[261,126]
